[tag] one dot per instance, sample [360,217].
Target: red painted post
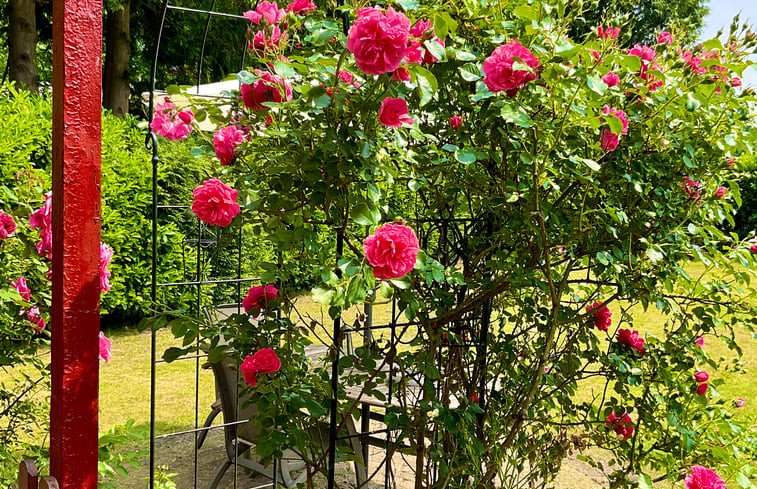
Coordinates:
[77,41]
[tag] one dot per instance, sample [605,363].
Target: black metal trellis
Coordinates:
[444,238]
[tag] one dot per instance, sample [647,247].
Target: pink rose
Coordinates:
[701,376]
[608,140]
[22,288]
[692,187]
[394,112]
[391,251]
[268,11]
[225,141]
[739,403]
[693,62]
[602,315]
[499,74]
[105,348]
[702,389]
[414,52]
[623,425]
[259,298]
[702,478]
[378,41]
[753,248]
[647,56]
[34,316]
[301,6]
[263,40]
[608,32]
[611,79]
[720,192]
[267,88]
[106,255]
[735,81]
[43,219]
[455,122]
[665,38]
[170,123]
[699,341]
[215,202]
[7,226]
[264,361]
[473,397]
[631,339]
[420,27]
[401,74]
[607,110]
[345,76]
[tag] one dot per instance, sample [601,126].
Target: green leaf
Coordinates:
[426,83]
[436,49]
[526,12]
[470,72]
[616,125]
[596,84]
[172,354]
[283,69]
[593,165]
[743,480]
[517,115]
[322,296]
[645,482]
[465,156]
[654,255]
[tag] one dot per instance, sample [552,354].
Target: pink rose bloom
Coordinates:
[456,121]
[473,397]
[608,140]
[692,187]
[701,376]
[623,425]
[646,53]
[225,141]
[498,68]
[268,11]
[263,40]
[420,28]
[170,123]
[703,478]
[345,76]
[106,255]
[105,348]
[34,316]
[595,54]
[43,219]
[720,192]
[608,33]
[647,56]
[631,339]
[401,74]
[607,110]
[22,288]
[259,298]
[611,79]
[378,41]
[700,341]
[264,361]
[693,62]
[753,248]
[267,88]
[429,58]
[735,81]
[739,403]
[391,251]
[414,52]
[665,38]
[215,202]
[702,389]
[394,112]
[602,315]
[7,226]
[301,6]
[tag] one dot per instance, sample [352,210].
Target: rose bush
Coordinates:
[582,185]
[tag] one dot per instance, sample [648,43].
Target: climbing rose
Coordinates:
[22,288]
[259,298]
[393,112]
[456,121]
[264,361]
[499,74]
[739,402]
[345,76]
[631,339]
[608,32]
[378,41]
[701,376]
[170,123]
[623,425]
[702,389]
[225,141]
[700,341]
[665,38]
[106,255]
[602,315]
[401,74]
[105,348]
[608,140]
[414,52]
[735,81]
[720,192]
[300,6]
[703,478]
[7,225]
[647,57]
[34,316]
[753,248]
[692,187]
[391,251]
[607,110]
[262,40]
[419,31]
[215,202]
[43,219]
[611,79]
[693,62]
[268,10]
[267,88]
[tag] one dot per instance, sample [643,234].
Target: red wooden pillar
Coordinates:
[77,46]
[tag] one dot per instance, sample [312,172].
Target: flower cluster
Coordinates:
[702,377]
[43,219]
[607,32]
[171,123]
[259,298]
[267,88]
[263,361]
[225,142]
[602,315]
[609,140]
[631,340]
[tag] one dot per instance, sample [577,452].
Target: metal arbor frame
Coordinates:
[447,237]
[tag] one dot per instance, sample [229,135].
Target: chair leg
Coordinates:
[215,408]
[361,465]
[219,474]
[286,469]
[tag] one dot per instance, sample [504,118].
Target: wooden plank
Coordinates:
[49,483]
[27,475]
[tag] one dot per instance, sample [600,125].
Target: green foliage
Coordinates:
[112,459]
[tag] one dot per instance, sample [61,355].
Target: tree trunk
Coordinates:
[22,44]
[116,68]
